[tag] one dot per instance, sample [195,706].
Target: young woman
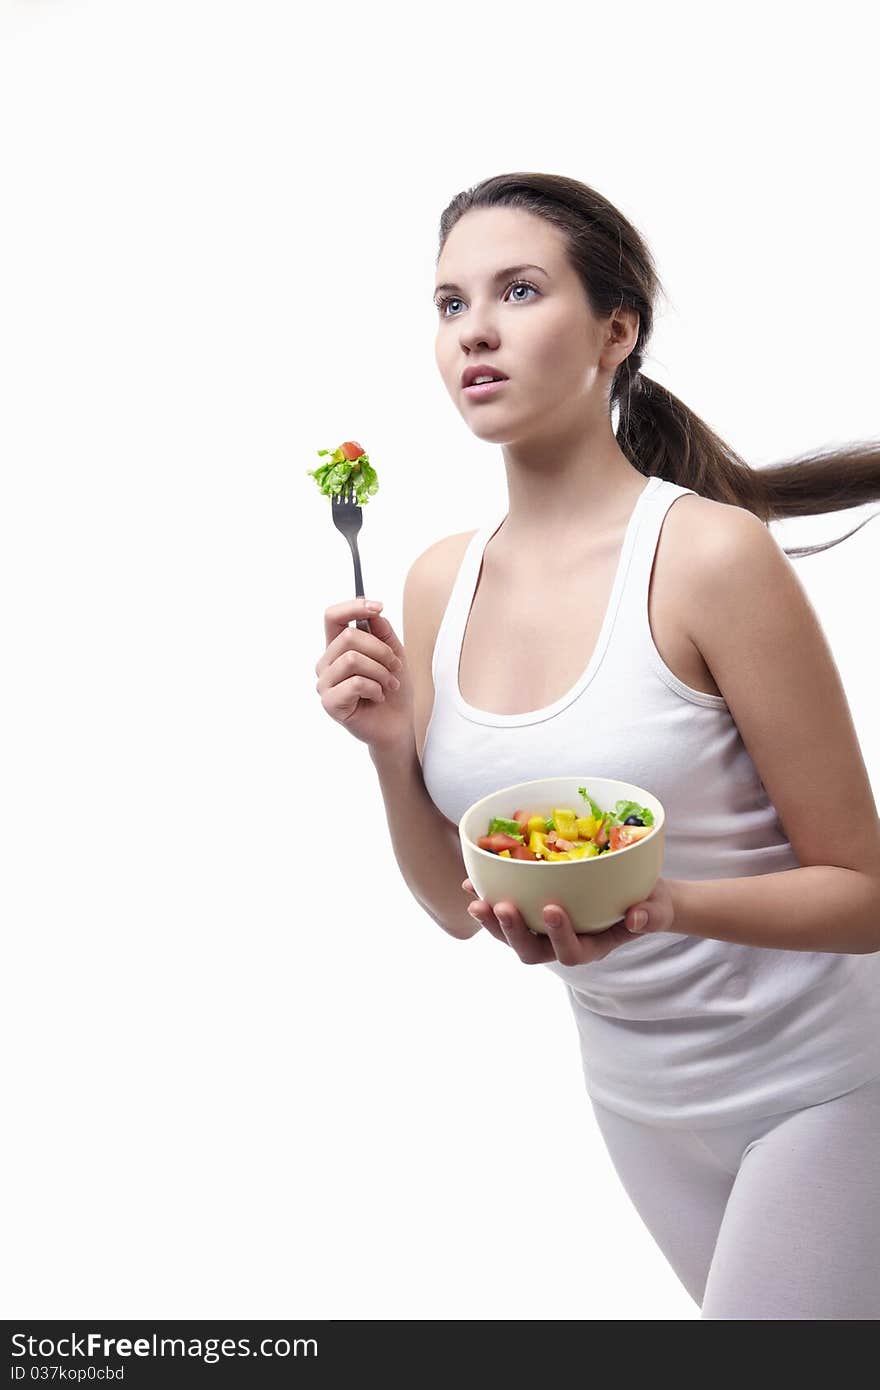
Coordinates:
[630,615]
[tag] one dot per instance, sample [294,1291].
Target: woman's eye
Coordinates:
[454,299]
[521,285]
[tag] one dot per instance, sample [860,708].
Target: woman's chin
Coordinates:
[494,427]
[498,435]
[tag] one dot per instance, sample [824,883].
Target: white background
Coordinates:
[245,1074]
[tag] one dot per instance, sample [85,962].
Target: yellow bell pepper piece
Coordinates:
[504,854]
[585,851]
[566,824]
[538,842]
[537,823]
[586,826]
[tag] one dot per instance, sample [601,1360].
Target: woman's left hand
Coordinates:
[562,942]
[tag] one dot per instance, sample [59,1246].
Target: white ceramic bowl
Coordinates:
[595,892]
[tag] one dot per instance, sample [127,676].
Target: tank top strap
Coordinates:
[447,646]
[632,642]
[626,629]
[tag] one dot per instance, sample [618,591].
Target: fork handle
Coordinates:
[362,623]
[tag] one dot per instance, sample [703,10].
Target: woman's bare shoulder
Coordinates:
[696,508]
[428,585]
[426,593]
[441,550]
[693,523]
[699,529]
[694,545]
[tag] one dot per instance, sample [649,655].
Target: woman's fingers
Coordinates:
[506,924]
[488,918]
[567,944]
[531,947]
[580,948]
[482,913]
[562,942]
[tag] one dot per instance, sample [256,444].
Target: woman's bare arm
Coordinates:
[425,843]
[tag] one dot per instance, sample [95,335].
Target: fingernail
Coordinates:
[640,919]
[503,917]
[553,919]
[373,604]
[475,912]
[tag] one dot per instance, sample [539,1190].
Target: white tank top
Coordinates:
[675,1030]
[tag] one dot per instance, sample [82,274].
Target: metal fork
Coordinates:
[348,518]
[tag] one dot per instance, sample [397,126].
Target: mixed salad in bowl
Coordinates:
[564,835]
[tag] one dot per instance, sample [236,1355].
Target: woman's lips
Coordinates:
[485,388]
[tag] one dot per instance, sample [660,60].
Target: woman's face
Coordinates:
[533,324]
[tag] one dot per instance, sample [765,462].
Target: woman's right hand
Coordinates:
[561,943]
[363,679]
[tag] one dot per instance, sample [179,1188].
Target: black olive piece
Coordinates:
[633,820]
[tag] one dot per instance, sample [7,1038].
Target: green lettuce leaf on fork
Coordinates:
[346,464]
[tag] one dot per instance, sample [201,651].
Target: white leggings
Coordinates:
[775,1218]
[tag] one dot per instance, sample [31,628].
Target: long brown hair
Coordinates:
[656,431]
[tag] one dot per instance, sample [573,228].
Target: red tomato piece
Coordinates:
[498,841]
[623,835]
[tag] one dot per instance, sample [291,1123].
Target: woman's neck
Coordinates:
[563,509]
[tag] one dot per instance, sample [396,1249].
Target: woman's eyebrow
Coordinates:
[499,275]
